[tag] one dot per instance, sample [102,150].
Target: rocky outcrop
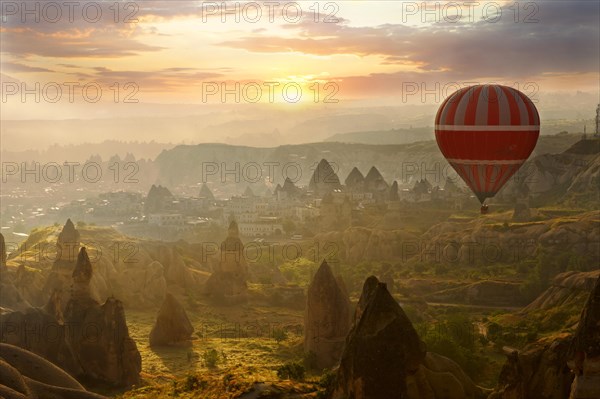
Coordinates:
[25,375]
[479,242]
[290,189]
[560,366]
[98,334]
[440,378]
[571,176]
[327,318]
[567,289]
[172,324]
[157,199]
[227,284]
[585,350]
[206,193]
[485,293]
[10,297]
[375,183]
[41,331]
[324,179]
[538,371]
[90,340]
[355,181]
[394,194]
[3,256]
[67,247]
[385,358]
[381,350]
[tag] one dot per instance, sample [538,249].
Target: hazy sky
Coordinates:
[383,51]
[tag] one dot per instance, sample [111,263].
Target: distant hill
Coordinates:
[184,164]
[392,136]
[403,136]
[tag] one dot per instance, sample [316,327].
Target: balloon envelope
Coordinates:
[486,132]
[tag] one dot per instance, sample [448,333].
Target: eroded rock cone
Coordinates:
[25,375]
[381,350]
[2,253]
[172,324]
[99,335]
[68,242]
[324,179]
[227,284]
[327,318]
[585,350]
[60,277]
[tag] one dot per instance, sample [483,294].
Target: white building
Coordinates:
[166,219]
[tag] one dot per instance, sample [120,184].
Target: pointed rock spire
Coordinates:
[324,179]
[68,242]
[327,318]
[355,180]
[206,193]
[381,350]
[172,324]
[374,181]
[3,255]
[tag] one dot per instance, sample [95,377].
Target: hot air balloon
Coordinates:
[486,132]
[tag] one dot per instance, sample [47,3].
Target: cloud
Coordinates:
[566,39]
[154,80]
[90,43]
[17,67]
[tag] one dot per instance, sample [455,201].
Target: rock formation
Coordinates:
[375,183]
[355,181]
[206,193]
[385,358]
[68,243]
[98,333]
[324,179]
[290,189]
[157,199]
[557,366]
[248,192]
[381,349]
[41,331]
[25,375]
[10,297]
[567,289]
[3,256]
[327,318]
[172,324]
[227,283]
[67,247]
[585,350]
[394,195]
[537,371]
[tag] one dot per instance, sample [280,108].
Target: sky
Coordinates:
[287,54]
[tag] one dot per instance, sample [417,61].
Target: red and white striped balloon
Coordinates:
[486,132]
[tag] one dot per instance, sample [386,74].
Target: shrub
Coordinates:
[279,334]
[211,358]
[192,383]
[327,384]
[291,371]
